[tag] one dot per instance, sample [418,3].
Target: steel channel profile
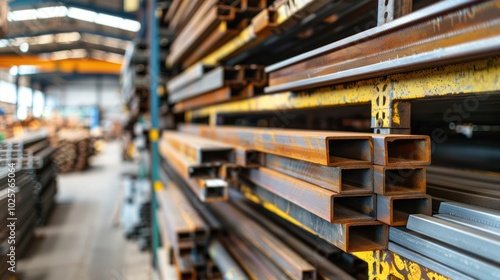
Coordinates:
[476,22]
[324,267]
[427,262]
[468,239]
[207,189]
[349,237]
[289,261]
[200,150]
[395,210]
[324,203]
[341,179]
[254,263]
[472,213]
[212,80]
[399,180]
[325,148]
[225,262]
[401,150]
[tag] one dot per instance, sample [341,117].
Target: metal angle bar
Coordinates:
[395,210]
[428,12]
[225,262]
[289,261]
[341,179]
[427,262]
[349,237]
[472,213]
[324,203]
[471,240]
[399,180]
[199,150]
[445,254]
[468,223]
[325,148]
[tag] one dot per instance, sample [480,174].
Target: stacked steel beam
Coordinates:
[461,242]
[74,151]
[200,85]
[329,180]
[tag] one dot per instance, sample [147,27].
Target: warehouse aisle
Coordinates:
[79,242]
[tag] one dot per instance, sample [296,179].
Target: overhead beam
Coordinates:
[73,29]
[34,3]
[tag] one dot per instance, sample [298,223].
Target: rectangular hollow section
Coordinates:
[404,180]
[353,208]
[349,151]
[309,275]
[203,171]
[208,156]
[214,192]
[356,179]
[403,208]
[408,151]
[366,237]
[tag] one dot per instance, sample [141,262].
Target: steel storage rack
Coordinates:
[443,51]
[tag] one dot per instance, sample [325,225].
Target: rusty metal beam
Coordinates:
[349,237]
[341,179]
[214,97]
[399,180]
[395,210]
[401,149]
[187,77]
[426,39]
[324,203]
[199,150]
[205,186]
[325,148]
[283,256]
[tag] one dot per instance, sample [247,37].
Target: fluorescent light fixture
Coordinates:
[52,12]
[114,58]
[69,54]
[108,20]
[24,47]
[82,14]
[4,43]
[43,39]
[21,15]
[67,37]
[131,25]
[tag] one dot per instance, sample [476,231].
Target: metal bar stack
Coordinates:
[329,177]
[74,151]
[461,242]
[200,85]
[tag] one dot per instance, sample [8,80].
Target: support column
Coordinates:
[389,116]
[389,10]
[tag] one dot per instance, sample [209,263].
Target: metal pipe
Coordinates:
[395,210]
[349,237]
[341,179]
[468,239]
[322,202]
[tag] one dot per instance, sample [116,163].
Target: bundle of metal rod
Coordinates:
[471,187]
[349,237]
[184,233]
[461,242]
[21,150]
[359,56]
[288,261]
[196,88]
[18,219]
[198,162]
[213,22]
[74,151]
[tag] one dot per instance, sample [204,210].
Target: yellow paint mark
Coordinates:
[154,135]
[158,186]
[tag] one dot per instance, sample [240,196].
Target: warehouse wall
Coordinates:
[85,92]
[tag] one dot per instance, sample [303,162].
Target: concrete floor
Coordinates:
[80,242]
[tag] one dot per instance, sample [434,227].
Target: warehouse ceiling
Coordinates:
[69,30]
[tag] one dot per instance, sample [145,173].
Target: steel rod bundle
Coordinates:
[460,240]
[74,151]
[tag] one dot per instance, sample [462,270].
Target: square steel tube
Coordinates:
[399,180]
[395,210]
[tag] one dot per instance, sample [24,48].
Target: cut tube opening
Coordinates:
[217,156]
[407,151]
[366,237]
[353,208]
[403,208]
[404,180]
[356,179]
[349,151]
